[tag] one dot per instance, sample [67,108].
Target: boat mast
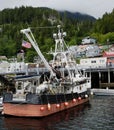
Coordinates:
[32,40]
[60,46]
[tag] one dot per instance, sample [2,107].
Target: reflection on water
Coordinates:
[45,123]
[98,115]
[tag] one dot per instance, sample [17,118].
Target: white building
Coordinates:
[6,67]
[17,67]
[93,51]
[93,62]
[88,40]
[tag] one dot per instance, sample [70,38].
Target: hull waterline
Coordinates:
[31,110]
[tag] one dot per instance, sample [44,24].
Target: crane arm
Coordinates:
[32,40]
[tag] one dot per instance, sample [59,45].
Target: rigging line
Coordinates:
[47,98]
[42,27]
[40,96]
[65,97]
[57,99]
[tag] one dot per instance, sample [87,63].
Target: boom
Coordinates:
[32,40]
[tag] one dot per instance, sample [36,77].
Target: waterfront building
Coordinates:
[98,62]
[88,40]
[110,57]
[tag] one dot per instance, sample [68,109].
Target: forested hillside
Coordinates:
[43,22]
[103,29]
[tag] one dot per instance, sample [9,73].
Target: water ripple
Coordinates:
[98,115]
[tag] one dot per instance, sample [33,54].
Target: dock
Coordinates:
[101,77]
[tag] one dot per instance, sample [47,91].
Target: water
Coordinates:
[97,115]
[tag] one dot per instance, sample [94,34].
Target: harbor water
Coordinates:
[98,114]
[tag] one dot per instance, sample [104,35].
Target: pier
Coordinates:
[102,77]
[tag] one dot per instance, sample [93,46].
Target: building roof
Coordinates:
[108,54]
[3,58]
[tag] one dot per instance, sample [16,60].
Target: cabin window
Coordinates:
[35,83]
[94,61]
[80,87]
[19,85]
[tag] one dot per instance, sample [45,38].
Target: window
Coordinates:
[94,61]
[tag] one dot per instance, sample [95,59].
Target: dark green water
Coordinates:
[97,115]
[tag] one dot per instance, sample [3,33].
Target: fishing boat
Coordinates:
[42,95]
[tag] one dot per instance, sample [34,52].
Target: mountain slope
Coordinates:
[78,16]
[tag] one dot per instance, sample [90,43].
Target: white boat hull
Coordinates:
[103,92]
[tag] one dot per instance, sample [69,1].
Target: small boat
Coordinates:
[1,105]
[42,95]
[103,92]
[1,108]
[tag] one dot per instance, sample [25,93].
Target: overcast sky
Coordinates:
[95,8]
